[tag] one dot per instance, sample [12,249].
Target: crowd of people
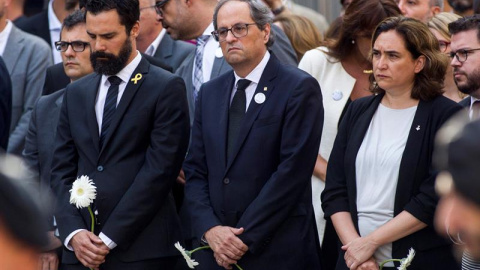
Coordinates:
[251,129]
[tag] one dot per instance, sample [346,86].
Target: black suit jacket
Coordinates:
[5,104]
[134,170]
[265,187]
[36,25]
[415,189]
[466,102]
[57,79]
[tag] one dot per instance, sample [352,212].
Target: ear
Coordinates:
[135,29]
[435,10]
[266,33]
[420,63]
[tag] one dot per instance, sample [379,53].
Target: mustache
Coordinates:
[102,55]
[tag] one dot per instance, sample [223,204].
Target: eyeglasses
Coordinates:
[154,6]
[238,30]
[443,45]
[159,5]
[77,46]
[462,55]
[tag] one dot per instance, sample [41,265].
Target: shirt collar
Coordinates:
[53,22]
[126,73]
[255,75]
[209,30]
[6,32]
[152,48]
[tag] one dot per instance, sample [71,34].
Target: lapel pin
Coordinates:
[219,53]
[337,95]
[260,98]
[137,78]
[265,88]
[418,128]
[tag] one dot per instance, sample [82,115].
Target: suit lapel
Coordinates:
[165,48]
[14,47]
[266,82]
[127,97]
[91,116]
[411,154]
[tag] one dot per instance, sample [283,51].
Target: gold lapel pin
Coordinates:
[137,78]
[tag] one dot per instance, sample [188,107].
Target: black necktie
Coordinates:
[110,106]
[236,114]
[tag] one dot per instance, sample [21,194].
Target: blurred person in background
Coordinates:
[438,25]
[379,206]
[462,7]
[342,68]
[421,10]
[301,32]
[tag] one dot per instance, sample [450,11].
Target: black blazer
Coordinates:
[415,189]
[37,25]
[135,169]
[5,104]
[57,79]
[265,187]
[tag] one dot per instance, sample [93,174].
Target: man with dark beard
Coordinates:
[462,7]
[465,55]
[127,128]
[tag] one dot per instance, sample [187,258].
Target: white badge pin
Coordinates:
[418,128]
[219,53]
[337,95]
[260,98]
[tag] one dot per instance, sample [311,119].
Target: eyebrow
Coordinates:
[105,34]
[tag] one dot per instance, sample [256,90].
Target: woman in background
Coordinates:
[438,25]
[379,191]
[301,32]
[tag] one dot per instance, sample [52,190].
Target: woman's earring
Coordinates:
[353,41]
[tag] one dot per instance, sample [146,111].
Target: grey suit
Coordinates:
[40,139]
[27,58]
[173,52]
[281,48]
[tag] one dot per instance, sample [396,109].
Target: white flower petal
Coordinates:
[190,262]
[408,260]
[83,192]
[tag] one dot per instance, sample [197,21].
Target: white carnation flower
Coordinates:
[408,260]
[186,255]
[83,192]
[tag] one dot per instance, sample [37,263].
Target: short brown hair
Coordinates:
[301,32]
[418,41]
[360,19]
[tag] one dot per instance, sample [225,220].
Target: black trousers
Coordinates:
[113,263]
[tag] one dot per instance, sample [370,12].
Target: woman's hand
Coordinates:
[370,264]
[359,251]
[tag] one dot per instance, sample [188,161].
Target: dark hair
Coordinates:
[73,19]
[128,10]
[418,41]
[259,12]
[360,19]
[465,24]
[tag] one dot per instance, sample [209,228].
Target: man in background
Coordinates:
[421,10]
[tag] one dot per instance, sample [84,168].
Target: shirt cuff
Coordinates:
[69,237]
[107,241]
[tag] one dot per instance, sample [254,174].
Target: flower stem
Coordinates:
[387,261]
[93,218]
[199,248]
[238,266]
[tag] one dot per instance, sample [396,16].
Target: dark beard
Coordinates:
[114,63]
[461,5]
[472,84]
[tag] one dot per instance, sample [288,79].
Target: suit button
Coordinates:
[226,181]
[100,168]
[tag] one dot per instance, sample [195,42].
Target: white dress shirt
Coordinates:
[55,26]
[152,48]
[208,54]
[254,76]
[470,111]
[125,75]
[4,36]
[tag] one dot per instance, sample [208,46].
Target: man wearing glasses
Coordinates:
[254,144]
[38,152]
[465,55]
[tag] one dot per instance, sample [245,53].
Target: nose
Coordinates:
[69,52]
[230,37]
[98,45]
[381,63]
[454,62]
[401,6]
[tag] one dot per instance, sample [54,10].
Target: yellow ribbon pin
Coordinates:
[137,78]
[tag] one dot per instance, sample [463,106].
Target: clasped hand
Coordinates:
[227,247]
[359,254]
[89,249]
